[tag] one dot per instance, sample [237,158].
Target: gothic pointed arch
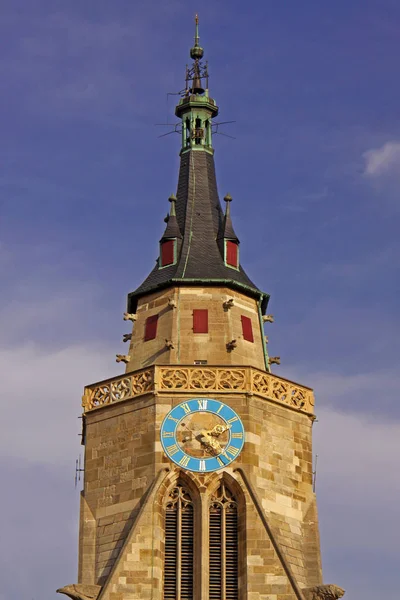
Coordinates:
[226,517]
[181,511]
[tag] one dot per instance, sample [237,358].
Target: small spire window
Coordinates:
[167,253]
[231,254]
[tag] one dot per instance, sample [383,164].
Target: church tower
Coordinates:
[198,460]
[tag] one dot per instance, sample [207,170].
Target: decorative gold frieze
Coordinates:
[118,388]
[189,379]
[194,378]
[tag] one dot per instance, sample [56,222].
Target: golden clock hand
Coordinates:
[209,442]
[217,430]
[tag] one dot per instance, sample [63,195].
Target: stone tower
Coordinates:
[198,462]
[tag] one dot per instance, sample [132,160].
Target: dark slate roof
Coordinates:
[172,229]
[200,219]
[227,231]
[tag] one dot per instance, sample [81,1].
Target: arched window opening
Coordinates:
[178,557]
[198,132]
[208,133]
[223,536]
[188,132]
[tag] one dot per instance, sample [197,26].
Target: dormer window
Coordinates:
[167,253]
[231,254]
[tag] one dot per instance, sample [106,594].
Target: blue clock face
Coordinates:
[202,435]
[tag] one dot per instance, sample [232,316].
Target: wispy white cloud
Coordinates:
[357,482]
[43,391]
[383,160]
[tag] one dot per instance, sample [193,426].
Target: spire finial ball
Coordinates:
[228,198]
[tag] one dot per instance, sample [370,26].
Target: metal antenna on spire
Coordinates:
[196,34]
[78,471]
[314,473]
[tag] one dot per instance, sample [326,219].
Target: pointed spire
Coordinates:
[201,231]
[196,108]
[228,232]
[196,52]
[172,229]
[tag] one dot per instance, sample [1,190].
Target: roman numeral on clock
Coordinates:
[172,449]
[202,404]
[232,450]
[186,408]
[184,461]
[237,436]
[202,465]
[168,434]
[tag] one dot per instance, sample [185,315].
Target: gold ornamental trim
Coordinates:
[188,379]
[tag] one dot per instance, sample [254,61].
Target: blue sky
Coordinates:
[314,173]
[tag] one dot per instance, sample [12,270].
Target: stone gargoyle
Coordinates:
[323,592]
[80,591]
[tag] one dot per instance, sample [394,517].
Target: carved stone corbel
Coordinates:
[122,358]
[130,316]
[228,304]
[80,591]
[268,318]
[323,592]
[274,360]
[231,345]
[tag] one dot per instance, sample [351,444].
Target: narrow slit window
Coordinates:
[178,557]
[150,328]
[247,329]
[167,253]
[231,254]
[200,320]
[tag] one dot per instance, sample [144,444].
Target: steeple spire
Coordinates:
[196,109]
[196,52]
[199,245]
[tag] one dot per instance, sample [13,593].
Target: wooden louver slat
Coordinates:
[223,554]
[186,543]
[231,554]
[170,566]
[178,554]
[215,553]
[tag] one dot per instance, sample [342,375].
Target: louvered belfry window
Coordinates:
[223,536]
[178,557]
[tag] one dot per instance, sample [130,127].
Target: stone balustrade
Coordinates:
[193,379]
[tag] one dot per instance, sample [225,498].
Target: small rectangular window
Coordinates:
[150,329]
[231,254]
[167,253]
[247,329]
[200,362]
[200,320]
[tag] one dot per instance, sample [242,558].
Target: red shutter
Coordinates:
[232,254]
[200,320]
[167,253]
[247,329]
[150,330]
